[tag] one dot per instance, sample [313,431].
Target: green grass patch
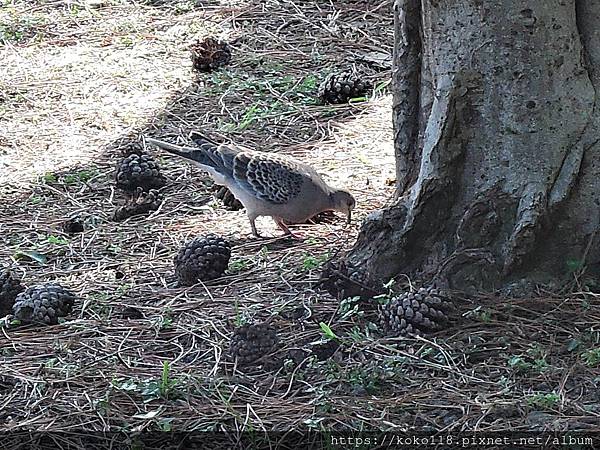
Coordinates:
[591,357]
[544,401]
[19,28]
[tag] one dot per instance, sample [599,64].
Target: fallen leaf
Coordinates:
[148,415]
[32,255]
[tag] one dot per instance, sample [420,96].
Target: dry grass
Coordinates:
[83,81]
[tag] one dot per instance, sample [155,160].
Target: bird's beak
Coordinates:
[349,221]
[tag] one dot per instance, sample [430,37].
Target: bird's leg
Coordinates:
[281,224]
[253,225]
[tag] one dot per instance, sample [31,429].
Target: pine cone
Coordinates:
[129,312]
[228,198]
[339,88]
[10,287]
[325,350]
[251,342]
[43,304]
[415,312]
[132,148]
[343,282]
[204,258]
[139,170]
[210,54]
[72,226]
[141,203]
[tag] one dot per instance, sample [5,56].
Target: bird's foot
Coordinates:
[281,224]
[296,236]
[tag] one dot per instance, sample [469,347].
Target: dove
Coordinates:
[278,186]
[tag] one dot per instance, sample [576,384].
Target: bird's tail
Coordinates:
[200,155]
[201,139]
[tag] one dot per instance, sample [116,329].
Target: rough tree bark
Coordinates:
[497,128]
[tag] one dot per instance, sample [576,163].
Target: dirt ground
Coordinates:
[82,81]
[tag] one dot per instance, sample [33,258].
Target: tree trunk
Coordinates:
[497,132]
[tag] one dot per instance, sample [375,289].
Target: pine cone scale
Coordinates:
[252,342]
[43,304]
[204,258]
[10,288]
[410,312]
[339,88]
[210,54]
[139,170]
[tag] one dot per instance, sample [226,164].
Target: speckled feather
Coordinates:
[273,179]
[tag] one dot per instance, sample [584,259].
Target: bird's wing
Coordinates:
[270,178]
